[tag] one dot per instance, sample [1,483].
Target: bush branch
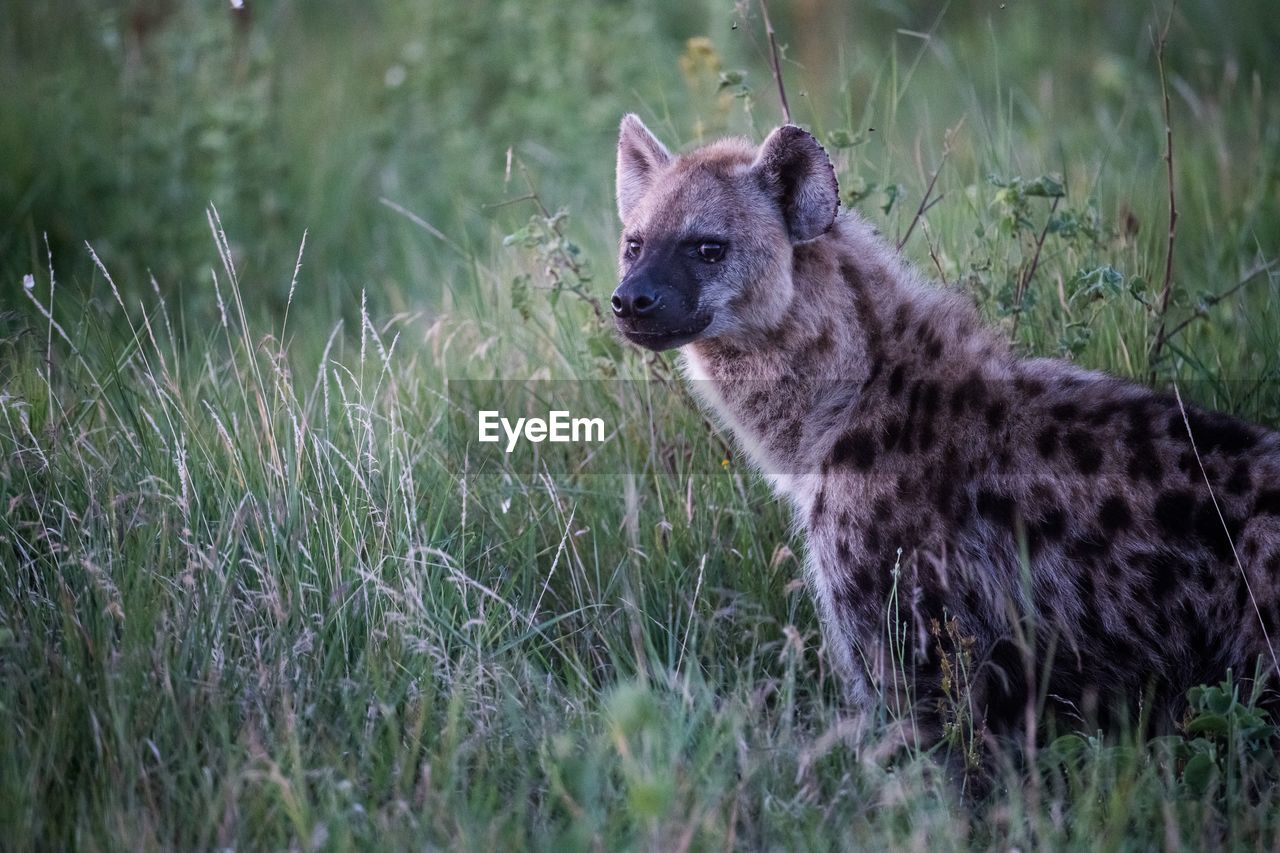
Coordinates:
[1166,289]
[774,62]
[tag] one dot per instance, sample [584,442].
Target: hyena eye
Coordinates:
[711,252]
[633,248]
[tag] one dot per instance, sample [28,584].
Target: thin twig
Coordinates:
[566,258]
[1214,299]
[1024,281]
[933,254]
[1166,289]
[925,201]
[774,62]
[509,201]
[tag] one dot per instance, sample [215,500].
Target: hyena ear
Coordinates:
[794,168]
[640,157]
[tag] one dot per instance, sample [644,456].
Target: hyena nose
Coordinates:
[632,301]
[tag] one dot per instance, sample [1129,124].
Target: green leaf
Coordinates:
[1216,724]
[845,139]
[1045,186]
[649,797]
[732,78]
[1098,283]
[1068,747]
[520,295]
[517,237]
[891,193]
[1199,773]
[632,709]
[857,193]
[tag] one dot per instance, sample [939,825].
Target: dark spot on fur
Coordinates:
[1064,411]
[901,319]
[997,411]
[896,378]
[929,399]
[933,349]
[1084,451]
[971,393]
[819,505]
[1211,431]
[946,492]
[1145,464]
[1049,528]
[820,345]
[1162,573]
[1187,462]
[890,434]
[1173,512]
[1209,580]
[908,488]
[1139,424]
[1102,414]
[1114,514]
[997,507]
[1047,441]
[863,305]
[908,426]
[882,511]
[873,542]
[926,436]
[842,550]
[1240,481]
[1029,387]
[856,448]
[1268,502]
[1088,546]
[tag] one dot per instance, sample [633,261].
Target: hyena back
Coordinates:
[1065,526]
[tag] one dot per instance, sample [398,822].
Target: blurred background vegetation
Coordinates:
[123,120]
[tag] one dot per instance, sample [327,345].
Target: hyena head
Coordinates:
[707,236]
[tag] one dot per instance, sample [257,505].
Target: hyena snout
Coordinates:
[656,313]
[635,299]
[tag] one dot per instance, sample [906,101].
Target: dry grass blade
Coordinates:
[1226,531]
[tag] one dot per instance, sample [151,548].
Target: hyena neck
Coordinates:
[859,317]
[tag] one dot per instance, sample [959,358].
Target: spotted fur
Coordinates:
[1076,527]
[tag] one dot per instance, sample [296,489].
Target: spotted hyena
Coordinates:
[1075,537]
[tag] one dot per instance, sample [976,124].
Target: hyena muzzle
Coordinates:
[1067,538]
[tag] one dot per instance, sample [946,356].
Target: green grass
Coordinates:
[254,593]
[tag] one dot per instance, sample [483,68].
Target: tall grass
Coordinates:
[253,593]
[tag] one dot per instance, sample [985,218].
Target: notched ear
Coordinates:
[640,157]
[795,169]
